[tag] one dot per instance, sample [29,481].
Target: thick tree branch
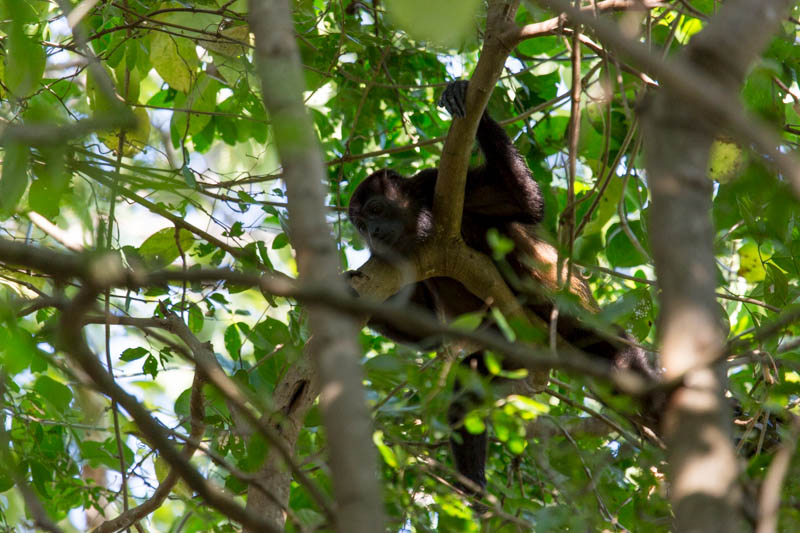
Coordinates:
[678,130]
[336,352]
[53,262]
[448,200]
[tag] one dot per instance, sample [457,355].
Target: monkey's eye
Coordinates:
[375,209]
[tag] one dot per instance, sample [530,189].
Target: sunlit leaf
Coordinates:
[751,261]
[54,392]
[726,161]
[161,249]
[175,60]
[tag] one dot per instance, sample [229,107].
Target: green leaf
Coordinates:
[606,207]
[175,60]
[54,392]
[440,21]
[135,139]
[386,452]
[226,45]
[188,177]
[160,249]
[620,250]
[203,99]
[726,161]
[269,333]
[52,181]
[468,321]
[517,444]
[474,423]
[500,244]
[233,342]
[280,241]
[776,286]
[196,319]
[150,366]
[751,262]
[132,354]
[14,177]
[760,95]
[131,53]
[540,45]
[25,58]
[549,133]
[5,482]
[17,349]
[527,407]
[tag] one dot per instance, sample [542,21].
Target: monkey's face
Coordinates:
[381,213]
[381,223]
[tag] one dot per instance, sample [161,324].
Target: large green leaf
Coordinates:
[175,60]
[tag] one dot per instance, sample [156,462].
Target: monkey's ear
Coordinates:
[348,277]
[454,98]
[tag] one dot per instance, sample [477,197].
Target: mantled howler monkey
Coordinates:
[394,214]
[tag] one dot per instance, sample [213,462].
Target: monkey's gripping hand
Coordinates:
[454,98]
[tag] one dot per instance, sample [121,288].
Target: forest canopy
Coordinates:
[174,322]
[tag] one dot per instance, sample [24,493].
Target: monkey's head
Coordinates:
[390,217]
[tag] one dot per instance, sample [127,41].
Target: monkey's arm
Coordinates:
[503,188]
[505,170]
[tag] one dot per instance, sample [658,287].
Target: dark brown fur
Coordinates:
[394,215]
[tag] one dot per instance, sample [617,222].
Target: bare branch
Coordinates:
[71,340]
[197,427]
[554,25]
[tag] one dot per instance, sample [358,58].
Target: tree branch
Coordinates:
[554,25]
[699,82]
[448,199]
[197,427]
[678,129]
[336,352]
[72,342]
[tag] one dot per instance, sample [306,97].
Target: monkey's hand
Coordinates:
[454,98]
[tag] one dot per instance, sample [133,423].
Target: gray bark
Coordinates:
[336,352]
[704,491]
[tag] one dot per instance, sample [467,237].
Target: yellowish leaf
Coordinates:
[751,266]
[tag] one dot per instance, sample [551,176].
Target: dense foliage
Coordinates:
[197,183]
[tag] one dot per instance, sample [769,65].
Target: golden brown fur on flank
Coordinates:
[538,259]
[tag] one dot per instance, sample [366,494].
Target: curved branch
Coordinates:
[73,343]
[197,427]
